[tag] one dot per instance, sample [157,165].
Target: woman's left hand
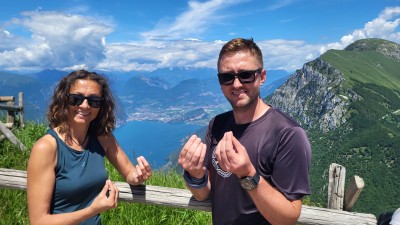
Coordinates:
[141,173]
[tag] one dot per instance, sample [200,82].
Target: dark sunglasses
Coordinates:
[245,77]
[77,100]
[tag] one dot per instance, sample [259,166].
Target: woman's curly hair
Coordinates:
[57,114]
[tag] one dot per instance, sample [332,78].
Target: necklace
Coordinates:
[83,142]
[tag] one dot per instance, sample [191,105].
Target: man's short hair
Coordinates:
[239,45]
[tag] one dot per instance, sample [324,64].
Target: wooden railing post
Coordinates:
[12,110]
[10,114]
[353,192]
[337,174]
[21,111]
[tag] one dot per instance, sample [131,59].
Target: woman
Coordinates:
[67,180]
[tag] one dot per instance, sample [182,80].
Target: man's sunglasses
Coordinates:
[77,100]
[245,77]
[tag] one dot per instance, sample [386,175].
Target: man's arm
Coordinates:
[201,193]
[271,203]
[191,159]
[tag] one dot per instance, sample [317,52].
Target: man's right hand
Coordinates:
[192,157]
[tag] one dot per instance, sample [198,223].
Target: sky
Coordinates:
[131,36]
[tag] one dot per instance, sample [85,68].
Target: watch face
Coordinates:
[247,183]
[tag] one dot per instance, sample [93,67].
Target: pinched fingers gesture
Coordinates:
[192,157]
[231,155]
[107,198]
[142,171]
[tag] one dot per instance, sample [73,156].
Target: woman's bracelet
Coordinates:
[195,182]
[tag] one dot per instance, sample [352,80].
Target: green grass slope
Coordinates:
[365,67]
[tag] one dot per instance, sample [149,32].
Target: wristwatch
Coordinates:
[250,182]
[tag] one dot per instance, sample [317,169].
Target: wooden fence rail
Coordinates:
[182,198]
[11,137]
[12,109]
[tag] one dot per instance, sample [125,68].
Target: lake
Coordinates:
[154,140]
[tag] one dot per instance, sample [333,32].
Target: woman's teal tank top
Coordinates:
[80,176]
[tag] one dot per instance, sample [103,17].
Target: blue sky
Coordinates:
[128,35]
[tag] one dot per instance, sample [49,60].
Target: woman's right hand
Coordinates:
[140,173]
[107,198]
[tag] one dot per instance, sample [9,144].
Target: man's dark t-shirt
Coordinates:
[279,150]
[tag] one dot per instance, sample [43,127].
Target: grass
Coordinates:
[136,213]
[14,209]
[366,67]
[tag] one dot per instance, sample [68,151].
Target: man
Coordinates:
[255,160]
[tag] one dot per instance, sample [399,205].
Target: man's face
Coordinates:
[242,96]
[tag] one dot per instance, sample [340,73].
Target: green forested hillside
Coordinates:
[368,144]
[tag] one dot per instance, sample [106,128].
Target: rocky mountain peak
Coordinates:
[386,48]
[319,95]
[314,96]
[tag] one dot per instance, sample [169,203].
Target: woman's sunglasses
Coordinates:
[77,100]
[247,76]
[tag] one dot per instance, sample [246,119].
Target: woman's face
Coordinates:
[83,113]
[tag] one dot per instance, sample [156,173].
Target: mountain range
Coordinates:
[349,103]
[170,95]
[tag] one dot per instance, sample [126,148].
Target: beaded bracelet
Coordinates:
[195,182]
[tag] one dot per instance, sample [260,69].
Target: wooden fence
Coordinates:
[12,109]
[12,112]
[182,198]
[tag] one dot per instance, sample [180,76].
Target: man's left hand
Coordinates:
[232,156]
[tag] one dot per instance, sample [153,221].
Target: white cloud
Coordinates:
[193,22]
[150,55]
[280,4]
[69,41]
[384,27]
[291,55]
[8,41]
[57,40]
[287,55]
[6,33]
